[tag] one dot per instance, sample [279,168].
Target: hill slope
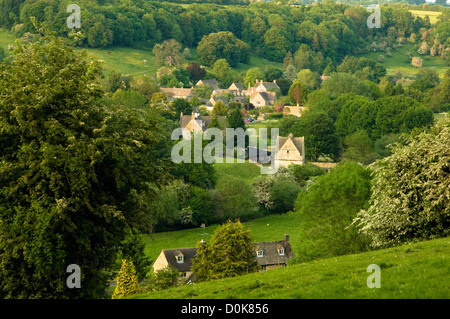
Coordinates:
[420,270]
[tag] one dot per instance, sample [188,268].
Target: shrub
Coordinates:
[327,210]
[127,282]
[411,191]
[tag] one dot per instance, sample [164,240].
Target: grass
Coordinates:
[420,270]
[440,117]
[268,228]
[398,61]
[245,171]
[433,15]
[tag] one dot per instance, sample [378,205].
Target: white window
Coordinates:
[281,251]
[260,253]
[180,259]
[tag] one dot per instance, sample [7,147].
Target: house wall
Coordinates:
[289,154]
[258,101]
[193,126]
[160,263]
[269,267]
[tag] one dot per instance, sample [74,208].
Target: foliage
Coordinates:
[219,109]
[127,282]
[132,249]
[223,45]
[305,172]
[327,210]
[298,93]
[410,199]
[283,194]
[230,253]
[71,169]
[341,83]
[168,52]
[233,199]
[263,185]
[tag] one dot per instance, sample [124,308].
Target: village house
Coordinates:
[262,93]
[213,83]
[260,99]
[291,150]
[293,110]
[179,259]
[269,255]
[195,122]
[177,93]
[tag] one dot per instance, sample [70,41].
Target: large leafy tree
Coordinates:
[230,253]
[327,210]
[72,169]
[411,191]
[223,45]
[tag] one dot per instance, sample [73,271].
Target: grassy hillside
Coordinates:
[269,228]
[398,62]
[419,270]
[431,14]
[129,61]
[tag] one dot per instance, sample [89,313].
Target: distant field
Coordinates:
[431,14]
[268,228]
[416,271]
[398,61]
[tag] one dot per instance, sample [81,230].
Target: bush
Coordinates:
[274,116]
[303,173]
[411,191]
[327,210]
[127,282]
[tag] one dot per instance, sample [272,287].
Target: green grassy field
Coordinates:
[420,270]
[268,228]
[431,14]
[129,61]
[398,61]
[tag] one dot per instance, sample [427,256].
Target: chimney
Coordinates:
[275,81]
[286,237]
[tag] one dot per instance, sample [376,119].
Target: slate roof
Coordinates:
[169,92]
[239,86]
[171,256]
[185,119]
[269,97]
[270,252]
[211,82]
[266,85]
[299,142]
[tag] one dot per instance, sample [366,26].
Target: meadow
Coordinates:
[419,270]
[398,61]
[433,15]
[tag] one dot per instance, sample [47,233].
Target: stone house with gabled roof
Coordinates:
[177,93]
[260,99]
[273,254]
[179,258]
[269,255]
[291,150]
[198,123]
[265,86]
[213,83]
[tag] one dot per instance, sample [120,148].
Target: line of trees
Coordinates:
[334,30]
